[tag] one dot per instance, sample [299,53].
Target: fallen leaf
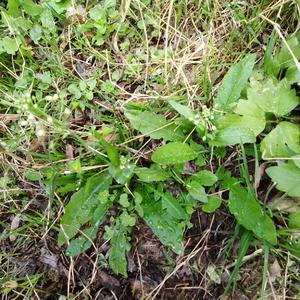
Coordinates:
[69,151]
[275,270]
[14,225]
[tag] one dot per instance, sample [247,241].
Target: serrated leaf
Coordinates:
[173,153]
[213,203]
[84,241]
[250,215]
[9,45]
[283,141]
[48,20]
[152,175]
[154,125]
[32,8]
[205,178]
[81,206]
[233,135]
[164,226]
[234,82]
[287,177]
[277,98]
[119,245]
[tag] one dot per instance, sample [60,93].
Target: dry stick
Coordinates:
[147,45]
[285,276]
[167,40]
[245,258]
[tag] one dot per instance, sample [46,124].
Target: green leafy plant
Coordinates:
[249,106]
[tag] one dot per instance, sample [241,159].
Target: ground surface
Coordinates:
[136,53]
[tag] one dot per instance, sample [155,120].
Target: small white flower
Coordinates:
[67,111]
[40,133]
[23,122]
[49,119]
[55,97]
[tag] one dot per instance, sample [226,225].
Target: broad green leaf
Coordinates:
[82,206]
[293,75]
[111,151]
[123,173]
[173,207]
[48,20]
[205,178]
[234,82]
[166,227]
[154,125]
[250,215]
[119,246]
[13,7]
[84,241]
[190,115]
[294,220]
[173,153]
[296,160]
[151,175]
[196,190]
[127,220]
[287,177]
[282,141]
[31,8]
[241,127]
[59,6]
[97,12]
[284,57]
[124,200]
[233,135]
[277,98]
[213,203]
[9,45]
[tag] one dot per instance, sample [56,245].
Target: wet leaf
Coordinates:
[82,206]
[173,153]
[165,226]
[152,175]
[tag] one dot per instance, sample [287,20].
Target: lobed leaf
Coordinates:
[162,221]
[283,141]
[82,206]
[277,98]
